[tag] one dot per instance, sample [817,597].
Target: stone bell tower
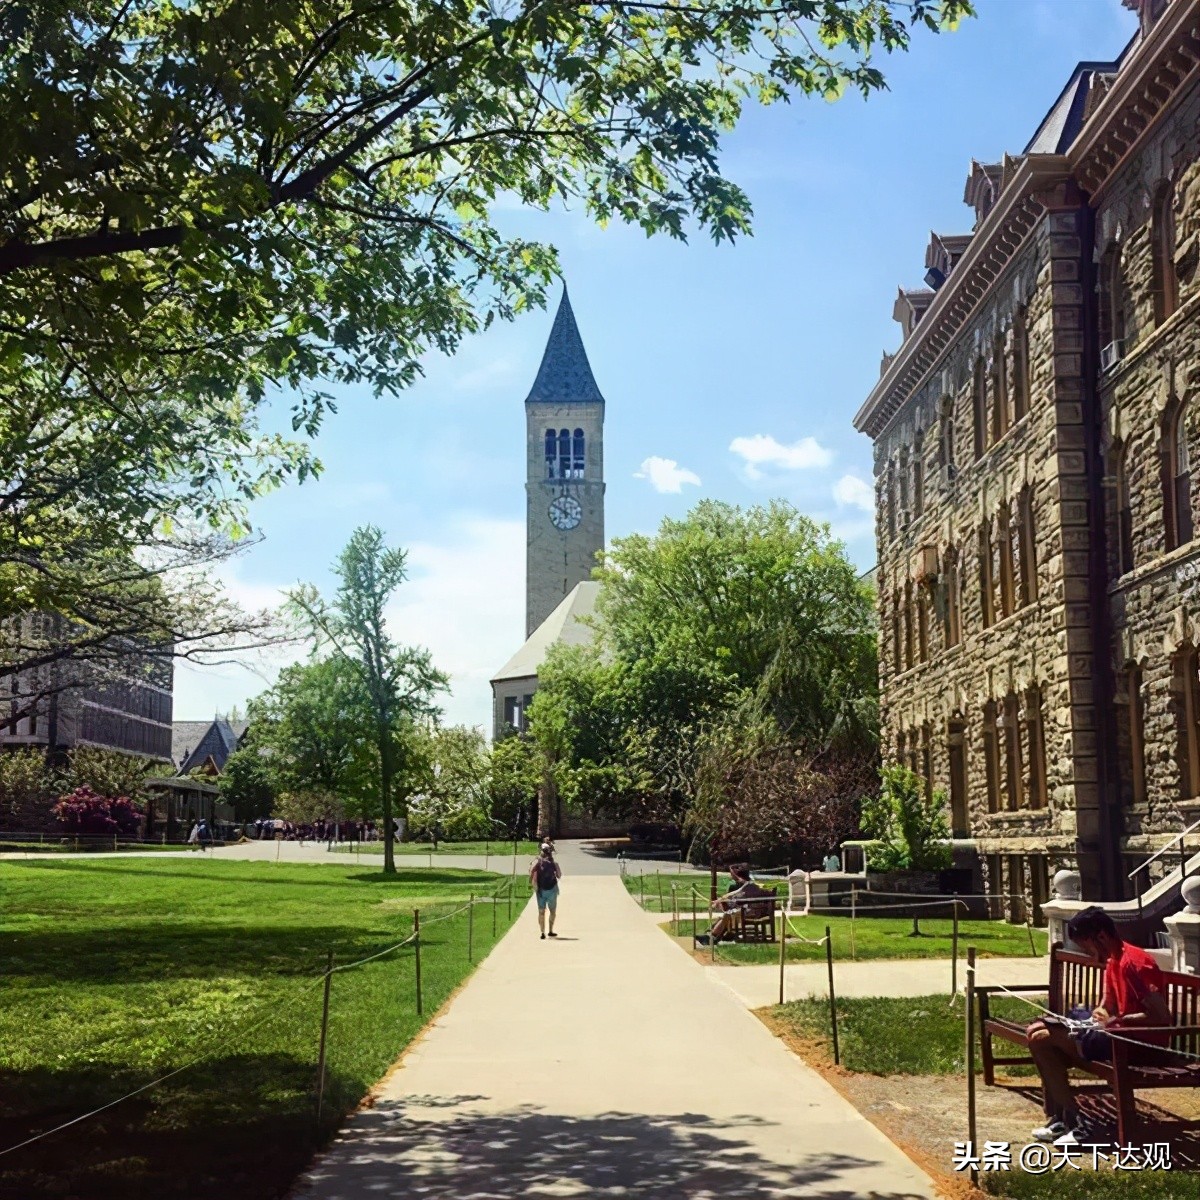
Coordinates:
[564,419]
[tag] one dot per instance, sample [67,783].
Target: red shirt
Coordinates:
[1129,977]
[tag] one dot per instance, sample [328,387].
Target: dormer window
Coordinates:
[983,186]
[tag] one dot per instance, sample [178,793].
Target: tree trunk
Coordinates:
[545,798]
[386,774]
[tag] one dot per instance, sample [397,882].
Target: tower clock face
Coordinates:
[565,512]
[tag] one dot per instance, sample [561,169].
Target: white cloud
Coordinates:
[464,601]
[850,491]
[763,450]
[665,474]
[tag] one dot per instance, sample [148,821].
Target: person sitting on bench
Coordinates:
[741,888]
[1133,997]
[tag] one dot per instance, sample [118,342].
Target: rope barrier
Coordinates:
[275,1011]
[1133,1041]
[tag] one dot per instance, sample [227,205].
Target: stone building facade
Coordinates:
[1037,462]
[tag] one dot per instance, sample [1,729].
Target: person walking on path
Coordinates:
[544,876]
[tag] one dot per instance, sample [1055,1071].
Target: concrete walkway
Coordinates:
[604,1063]
[758,986]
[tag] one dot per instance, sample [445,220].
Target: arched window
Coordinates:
[999,388]
[946,432]
[1004,547]
[564,453]
[897,653]
[1187,714]
[909,631]
[551,453]
[578,459]
[1177,459]
[956,753]
[1027,547]
[1035,741]
[991,755]
[1014,791]
[1162,249]
[1124,513]
[987,587]
[918,476]
[1112,297]
[953,619]
[1020,373]
[1131,733]
[979,407]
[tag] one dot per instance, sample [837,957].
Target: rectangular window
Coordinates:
[1188,713]
[1004,547]
[1035,741]
[1132,734]
[987,590]
[991,756]
[1014,792]
[926,771]
[956,744]
[922,623]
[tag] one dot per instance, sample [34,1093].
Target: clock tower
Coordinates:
[564,422]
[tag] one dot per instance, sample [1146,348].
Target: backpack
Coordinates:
[547,876]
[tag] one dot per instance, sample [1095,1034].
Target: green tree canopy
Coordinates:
[206,205]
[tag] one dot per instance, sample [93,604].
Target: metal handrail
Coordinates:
[1163,849]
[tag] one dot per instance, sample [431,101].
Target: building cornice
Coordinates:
[994,246]
[1164,63]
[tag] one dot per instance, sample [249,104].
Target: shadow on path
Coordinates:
[417,1148]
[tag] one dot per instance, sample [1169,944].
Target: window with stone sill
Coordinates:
[1004,552]
[1187,714]
[922,602]
[956,752]
[991,756]
[998,386]
[1014,774]
[1131,734]
[1177,483]
[987,591]
[1162,249]
[1112,297]
[1027,547]
[952,626]
[979,408]
[909,631]
[1020,354]
[1035,743]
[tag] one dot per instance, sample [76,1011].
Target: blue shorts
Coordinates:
[1094,1045]
[548,899]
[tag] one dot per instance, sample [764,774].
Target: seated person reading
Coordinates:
[741,888]
[1132,1007]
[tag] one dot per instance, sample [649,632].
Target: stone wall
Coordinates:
[1155,604]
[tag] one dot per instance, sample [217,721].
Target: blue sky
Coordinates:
[739,367]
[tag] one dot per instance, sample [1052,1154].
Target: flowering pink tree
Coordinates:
[84,812]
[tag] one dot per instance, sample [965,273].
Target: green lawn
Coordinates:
[117,972]
[922,1035]
[55,844]
[649,887]
[500,849]
[877,937]
[1105,1184]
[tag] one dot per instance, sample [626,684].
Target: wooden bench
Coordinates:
[1078,981]
[757,918]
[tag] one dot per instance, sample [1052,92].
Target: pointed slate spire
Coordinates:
[565,377]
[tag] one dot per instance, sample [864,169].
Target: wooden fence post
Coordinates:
[658,876]
[837,1057]
[471,929]
[495,903]
[853,914]
[324,1032]
[954,955]
[511,885]
[971,1133]
[783,932]
[417,948]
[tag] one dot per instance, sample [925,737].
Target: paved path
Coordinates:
[756,987]
[605,1064]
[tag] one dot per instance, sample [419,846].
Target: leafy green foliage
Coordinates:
[514,778]
[397,684]
[454,800]
[246,782]
[731,633]
[913,831]
[203,206]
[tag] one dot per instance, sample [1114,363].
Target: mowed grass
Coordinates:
[922,1035]
[1104,1184]
[876,938]
[118,972]
[499,849]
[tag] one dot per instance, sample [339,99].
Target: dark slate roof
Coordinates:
[185,737]
[565,377]
[1061,125]
[194,742]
